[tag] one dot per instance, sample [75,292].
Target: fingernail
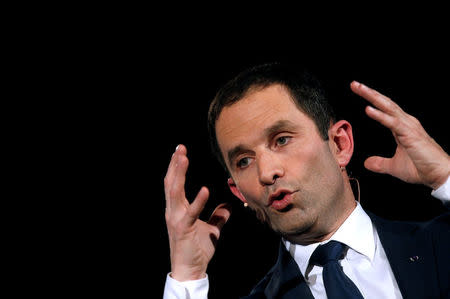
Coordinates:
[177,147]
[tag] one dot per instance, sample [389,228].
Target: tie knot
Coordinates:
[329,252]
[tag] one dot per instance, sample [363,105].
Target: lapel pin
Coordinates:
[414,258]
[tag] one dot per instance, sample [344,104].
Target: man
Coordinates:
[286,156]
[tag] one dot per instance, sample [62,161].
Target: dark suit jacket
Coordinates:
[427,276]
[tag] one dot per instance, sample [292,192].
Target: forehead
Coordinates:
[259,109]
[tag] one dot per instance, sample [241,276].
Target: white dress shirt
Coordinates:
[365,263]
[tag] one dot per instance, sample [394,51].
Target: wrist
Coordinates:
[186,273]
[441,181]
[443,192]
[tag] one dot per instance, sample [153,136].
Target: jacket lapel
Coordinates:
[410,255]
[287,280]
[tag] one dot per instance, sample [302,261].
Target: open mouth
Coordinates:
[282,201]
[280,196]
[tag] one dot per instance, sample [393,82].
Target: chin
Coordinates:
[290,225]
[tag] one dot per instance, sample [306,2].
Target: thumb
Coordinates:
[378,164]
[199,203]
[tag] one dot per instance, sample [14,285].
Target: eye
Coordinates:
[242,163]
[283,140]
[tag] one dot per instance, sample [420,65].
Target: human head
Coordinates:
[276,135]
[304,88]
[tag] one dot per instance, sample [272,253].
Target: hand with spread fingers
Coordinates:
[418,158]
[192,241]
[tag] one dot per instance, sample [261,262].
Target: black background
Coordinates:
[130,91]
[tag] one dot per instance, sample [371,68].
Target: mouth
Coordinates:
[281,200]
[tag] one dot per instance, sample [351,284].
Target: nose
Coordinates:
[269,169]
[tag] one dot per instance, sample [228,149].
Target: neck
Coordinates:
[309,237]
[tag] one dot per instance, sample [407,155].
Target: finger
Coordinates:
[220,215]
[377,99]
[381,117]
[181,149]
[176,189]
[175,193]
[199,203]
[168,179]
[399,125]
[171,168]
[378,164]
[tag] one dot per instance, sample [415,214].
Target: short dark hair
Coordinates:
[304,88]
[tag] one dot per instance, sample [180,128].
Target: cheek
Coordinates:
[317,167]
[250,188]
[327,177]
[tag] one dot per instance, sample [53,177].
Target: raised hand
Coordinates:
[192,241]
[418,158]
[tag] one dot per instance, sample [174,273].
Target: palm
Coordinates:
[203,241]
[402,166]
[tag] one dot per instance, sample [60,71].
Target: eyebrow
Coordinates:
[278,126]
[281,125]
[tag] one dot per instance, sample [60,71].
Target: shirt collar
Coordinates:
[356,232]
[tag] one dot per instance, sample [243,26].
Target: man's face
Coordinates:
[279,163]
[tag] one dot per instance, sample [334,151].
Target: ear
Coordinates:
[341,142]
[234,189]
